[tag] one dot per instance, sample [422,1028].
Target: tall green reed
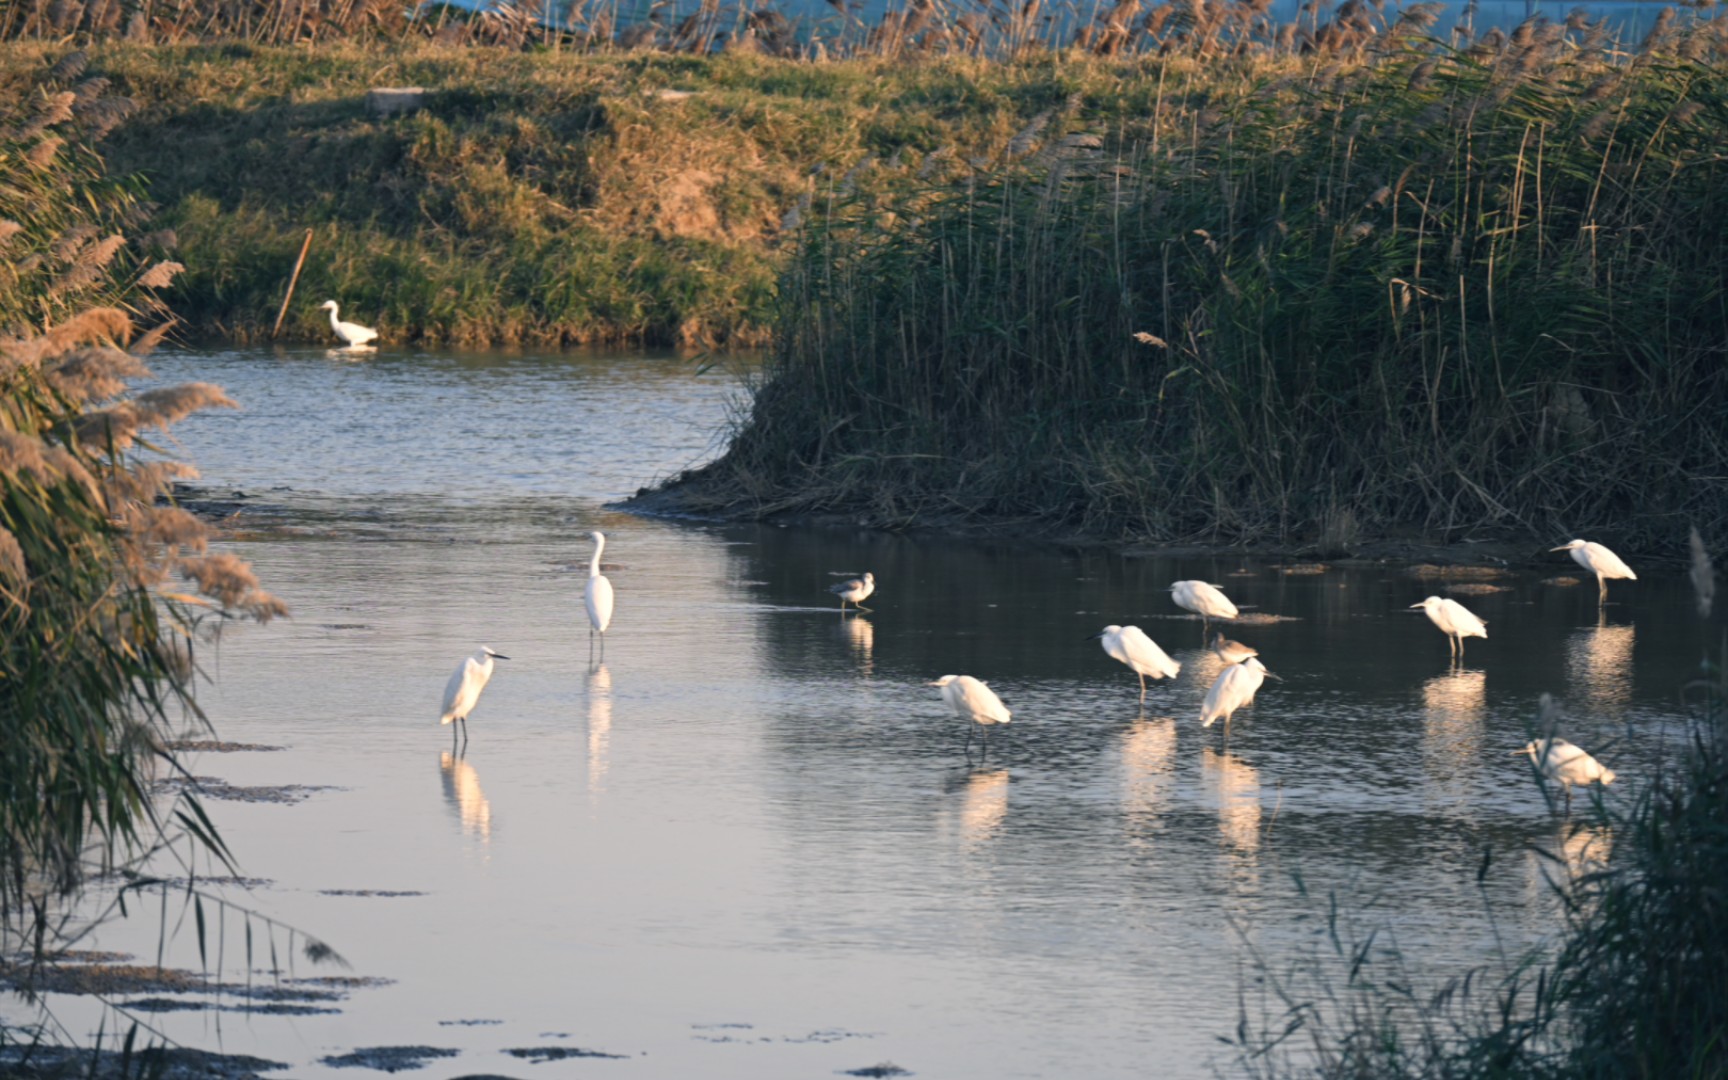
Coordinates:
[1450,289]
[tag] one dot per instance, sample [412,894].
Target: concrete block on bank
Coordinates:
[395,100]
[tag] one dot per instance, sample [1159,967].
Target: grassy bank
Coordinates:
[1462,293]
[539,197]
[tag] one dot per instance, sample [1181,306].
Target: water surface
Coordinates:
[748,843]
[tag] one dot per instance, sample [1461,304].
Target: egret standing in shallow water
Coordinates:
[355,335]
[1565,764]
[1130,645]
[973,702]
[1235,687]
[854,590]
[1599,561]
[462,692]
[1455,619]
[598,597]
[1231,652]
[1208,601]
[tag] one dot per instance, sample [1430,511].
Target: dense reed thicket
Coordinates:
[1633,985]
[104,585]
[1465,291]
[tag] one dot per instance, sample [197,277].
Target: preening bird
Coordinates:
[462,692]
[1455,619]
[1130,645]
[598,597]
[1566,764]
[1208,601]
[1231,652]
[1234,687]
[355,335]
[1599,561]
[974,702]
[855,590]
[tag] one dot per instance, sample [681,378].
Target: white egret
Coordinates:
[598,597]
[462,692]
[1566,764]
[1231,652]
[855,590]
[357,336]
[1235,687]
[973,702]
[1208,601]
[1455,619]
[1599,561]
[1130,645]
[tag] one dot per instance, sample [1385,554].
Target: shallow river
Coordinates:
[748,843]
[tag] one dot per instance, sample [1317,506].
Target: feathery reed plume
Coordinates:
[1703,574]
[161,275]
[12,564]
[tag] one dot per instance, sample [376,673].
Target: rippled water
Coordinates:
[748,844]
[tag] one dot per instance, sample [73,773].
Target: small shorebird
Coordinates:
[855,590]
[1231,652]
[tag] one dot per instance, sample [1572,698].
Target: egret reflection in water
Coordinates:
[599,726]
[1148,768]
[983,805]
[462,792]
[1454,708]
[1234,787]
[1599,670]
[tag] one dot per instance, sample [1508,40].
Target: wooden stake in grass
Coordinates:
[295,277]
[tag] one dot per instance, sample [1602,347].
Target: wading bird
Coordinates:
[1231,652]
[1130,645]
[1455,619]
[598,597]
[973,702]
[855,590]
[1599,561]
[1235,687]
[1205,600]
[462,692]
[1565,764]
[354,334]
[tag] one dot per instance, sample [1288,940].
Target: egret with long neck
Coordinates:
[598,597]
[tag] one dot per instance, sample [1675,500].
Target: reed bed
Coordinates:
[1460,291]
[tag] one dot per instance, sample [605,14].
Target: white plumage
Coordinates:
[1565,764]
[462,692]
[1234,687]
[972,701]
[855,590]
[1599,561]
[355,335]
[1205,600]
[1455,619]
[597,597]
[1131,646]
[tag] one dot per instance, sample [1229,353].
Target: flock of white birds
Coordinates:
[972,700]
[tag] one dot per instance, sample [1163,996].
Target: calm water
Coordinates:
[748,844]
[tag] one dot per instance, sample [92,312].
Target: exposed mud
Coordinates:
[885,1068]
[388,1059]
[216,746]
[1475,588]
[370,892]
[211,787]
[541,1054]
[164,1063]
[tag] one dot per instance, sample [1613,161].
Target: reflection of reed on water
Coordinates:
[462,792]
